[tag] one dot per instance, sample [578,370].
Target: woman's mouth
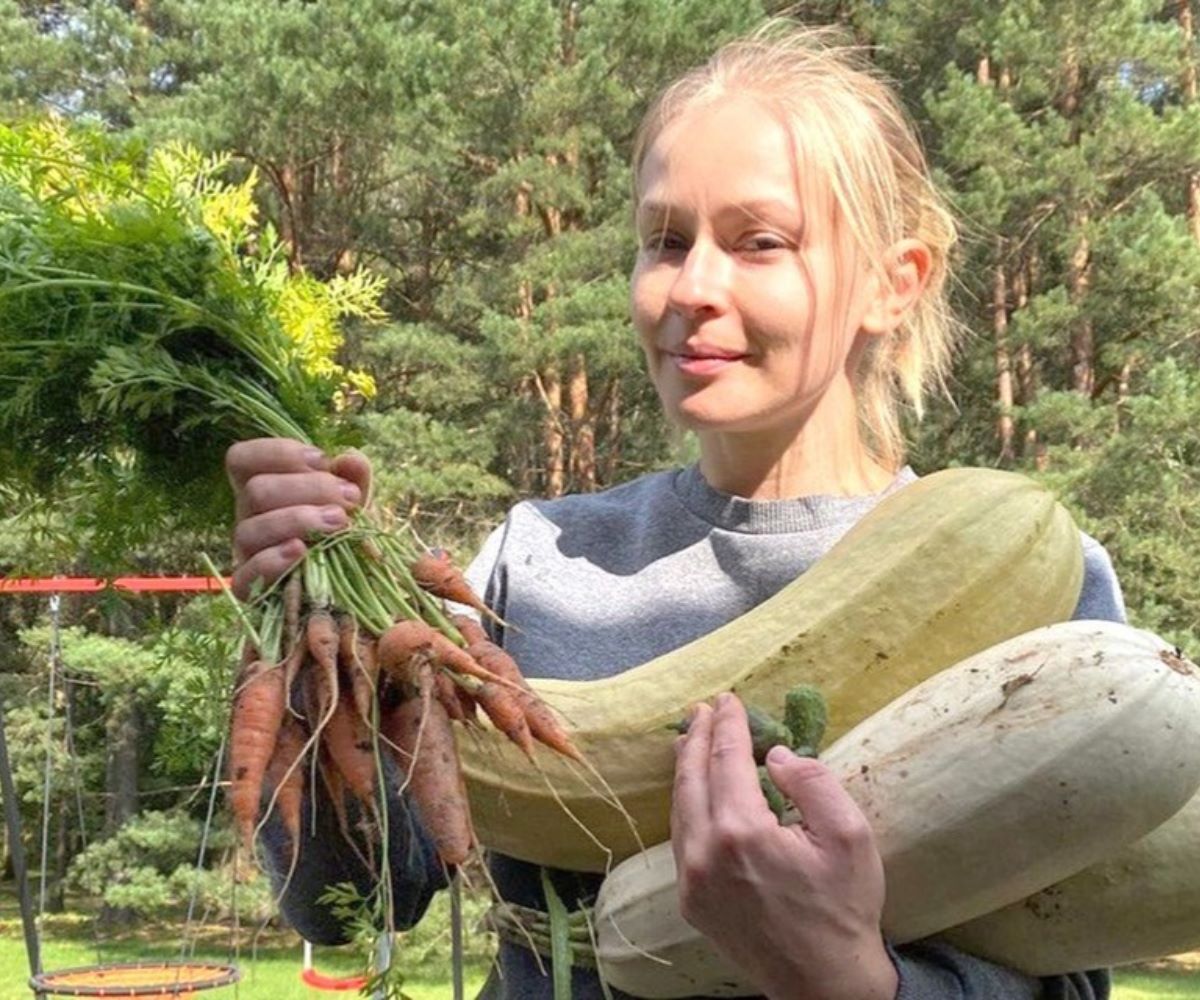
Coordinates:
[703,364]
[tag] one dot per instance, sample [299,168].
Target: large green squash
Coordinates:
[949,565]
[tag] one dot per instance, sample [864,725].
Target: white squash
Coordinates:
[1003,774]
[1141,903]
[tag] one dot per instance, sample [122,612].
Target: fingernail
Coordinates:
[723,699]
[333,517]
[351,492]
[316,458]
[779,754]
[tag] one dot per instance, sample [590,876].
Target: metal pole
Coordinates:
[55,656]
[12,819]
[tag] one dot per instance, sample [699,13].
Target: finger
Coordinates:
[831,816]
[263,531]
[732,773]
[689,795]
[266,566]
[274,491]
[246,459]
[352,465]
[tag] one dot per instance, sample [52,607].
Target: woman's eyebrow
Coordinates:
[759,209]
[765,209]
[654,210]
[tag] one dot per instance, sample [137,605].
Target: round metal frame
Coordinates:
[134,979]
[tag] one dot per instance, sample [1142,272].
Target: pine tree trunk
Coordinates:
[583,429]
[612,430]
[528,388]
[289,226]
[552,432]
[1026,382]
[1188,84]
[1083,346]
[123,731]
[342,258]
[121,782]
[307,207]
[1004,377]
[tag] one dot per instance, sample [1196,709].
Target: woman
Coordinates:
[788,295]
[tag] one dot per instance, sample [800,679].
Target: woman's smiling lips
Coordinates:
[703,360]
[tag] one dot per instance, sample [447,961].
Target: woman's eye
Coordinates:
[663,241]
[763,243]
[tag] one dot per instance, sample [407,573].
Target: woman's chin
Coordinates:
[706,417]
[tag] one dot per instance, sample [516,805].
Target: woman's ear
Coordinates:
[897,290]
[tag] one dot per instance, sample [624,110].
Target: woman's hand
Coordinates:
[796,907]
[285,491]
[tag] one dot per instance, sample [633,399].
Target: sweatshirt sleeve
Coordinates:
[932,970]
[329,856]
[1100,597]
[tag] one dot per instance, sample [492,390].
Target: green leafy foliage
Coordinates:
[149,867]
[136,321]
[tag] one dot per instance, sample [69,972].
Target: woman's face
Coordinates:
[744,297]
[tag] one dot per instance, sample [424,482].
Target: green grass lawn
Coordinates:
[1136,984]
[269,972]
[273,972]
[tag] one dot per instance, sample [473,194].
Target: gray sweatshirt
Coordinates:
[582,580]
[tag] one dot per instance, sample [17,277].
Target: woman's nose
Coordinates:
[702,284]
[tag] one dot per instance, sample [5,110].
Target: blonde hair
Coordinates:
[850,124]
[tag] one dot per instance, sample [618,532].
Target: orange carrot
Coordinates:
[350,749]
[486,653]
[504,708]
[402,641]
[433,771]
[436,572]
[470,708]
[545,727]
[285,774]
[322,635]
[258,709]
[353,656]
[472,631]
[321,680]
[291,667]
[447,693]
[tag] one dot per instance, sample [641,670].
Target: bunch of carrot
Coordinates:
[147,323]
[332,686]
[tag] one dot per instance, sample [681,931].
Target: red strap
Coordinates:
[320,982]
[90,585]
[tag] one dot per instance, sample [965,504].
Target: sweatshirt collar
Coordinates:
[733,513]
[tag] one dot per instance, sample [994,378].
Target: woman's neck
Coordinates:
[821,457]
